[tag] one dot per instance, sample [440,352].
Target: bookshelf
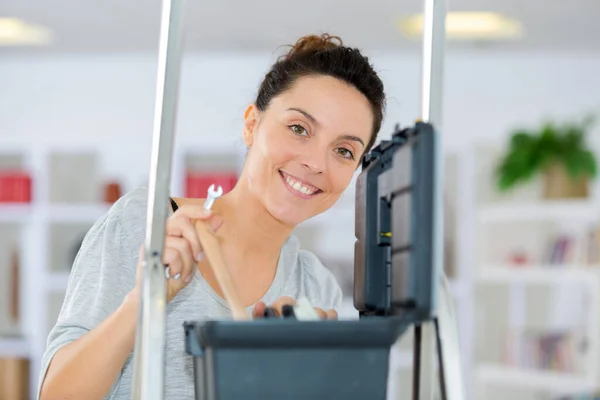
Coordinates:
[558,383]
[67,197]
[532,274]
[536,285]
[531,210]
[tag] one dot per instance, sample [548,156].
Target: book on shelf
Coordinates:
[563,352]
[581,248]
[197,183]
[15,186]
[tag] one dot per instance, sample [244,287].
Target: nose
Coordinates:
[314,160]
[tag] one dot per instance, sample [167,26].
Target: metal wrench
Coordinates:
[212,196]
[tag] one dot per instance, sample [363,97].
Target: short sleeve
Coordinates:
[101,276]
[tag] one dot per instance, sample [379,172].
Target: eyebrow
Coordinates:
[305,113]
[353,138]
[314,121]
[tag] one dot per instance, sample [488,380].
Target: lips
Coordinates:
[299,187]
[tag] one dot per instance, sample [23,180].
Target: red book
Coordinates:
[15,187]
[197,183]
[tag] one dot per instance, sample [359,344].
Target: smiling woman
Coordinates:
[306,146]
[317,112]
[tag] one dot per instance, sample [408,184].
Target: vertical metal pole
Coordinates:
[434,33]
[434,37]
[149,353]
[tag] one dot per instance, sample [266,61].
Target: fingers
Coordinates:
[181,224]
[259,310]
[332,314]
[178,256]
[173,262]
[321,313]
[280,302]
[329,314]
[182,227]
[183,248]
[194,212]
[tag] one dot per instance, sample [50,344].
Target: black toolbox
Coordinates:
[291,359]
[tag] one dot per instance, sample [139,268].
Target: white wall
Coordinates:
[99,100]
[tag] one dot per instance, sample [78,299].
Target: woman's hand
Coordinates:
[259,308]
[182,251]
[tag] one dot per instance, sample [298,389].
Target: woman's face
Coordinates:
[305,148]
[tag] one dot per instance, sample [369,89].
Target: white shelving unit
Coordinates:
[15,213]
[14,348]
[510,245]
[577,210]
[547,380]
[535,274]
[555,382]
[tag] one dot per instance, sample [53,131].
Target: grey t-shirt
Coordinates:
[104,272]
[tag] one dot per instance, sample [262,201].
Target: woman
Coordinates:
[317,112]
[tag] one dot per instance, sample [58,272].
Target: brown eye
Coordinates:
[345,153]
[298,130]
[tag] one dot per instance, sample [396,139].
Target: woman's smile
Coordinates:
[299,187]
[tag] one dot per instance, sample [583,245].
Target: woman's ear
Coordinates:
[250,122]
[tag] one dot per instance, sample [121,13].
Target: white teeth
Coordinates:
[299,187]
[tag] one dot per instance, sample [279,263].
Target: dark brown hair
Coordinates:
[325,55]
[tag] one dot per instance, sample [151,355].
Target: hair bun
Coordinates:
[313,44]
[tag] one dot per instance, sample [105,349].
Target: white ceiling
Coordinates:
[263,25]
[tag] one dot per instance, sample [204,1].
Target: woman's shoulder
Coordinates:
[131,207]
[118,233]
[122,226]
[130,211]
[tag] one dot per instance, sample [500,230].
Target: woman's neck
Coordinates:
[249,228]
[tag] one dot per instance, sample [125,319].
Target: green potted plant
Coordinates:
[558,151]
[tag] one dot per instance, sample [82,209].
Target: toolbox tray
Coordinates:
[291,359]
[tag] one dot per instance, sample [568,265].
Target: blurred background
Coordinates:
[521,79]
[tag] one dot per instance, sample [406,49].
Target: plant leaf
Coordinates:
[589,163]
[529,152]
